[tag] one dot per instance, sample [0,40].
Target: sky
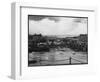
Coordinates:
[54,25]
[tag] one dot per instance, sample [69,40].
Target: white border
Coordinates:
[18,72]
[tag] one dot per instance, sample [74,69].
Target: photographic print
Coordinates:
[57,40]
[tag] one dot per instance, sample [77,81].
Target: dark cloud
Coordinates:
[36,17]
[81,20]
[56,19]
[41,17]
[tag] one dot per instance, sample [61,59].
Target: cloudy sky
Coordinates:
[53,25]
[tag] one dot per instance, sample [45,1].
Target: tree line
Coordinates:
[39,43]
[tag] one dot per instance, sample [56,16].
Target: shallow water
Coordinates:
[55,57]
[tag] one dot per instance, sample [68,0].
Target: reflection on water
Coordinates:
[55,57]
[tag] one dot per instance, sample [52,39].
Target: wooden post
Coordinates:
[70,60]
